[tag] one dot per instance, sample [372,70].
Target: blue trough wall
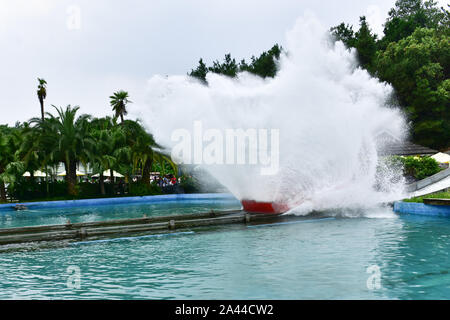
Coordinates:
[110,201]
[421,209]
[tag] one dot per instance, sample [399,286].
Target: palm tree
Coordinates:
[35,150]
[164,161]
[68,140]
[42,94]
[31,151]
[109,141]
[141,148]
[5,154]
[119,101]
[10,167]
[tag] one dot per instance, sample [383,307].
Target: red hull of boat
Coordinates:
[252,206]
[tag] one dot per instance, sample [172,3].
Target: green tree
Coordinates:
[164,164]
[413,57]
[68,140]
[344,32]
[42,94]
[143,152]
[363,40]
[418,68]
[228,67]
[109,140]
[32,152]
[407,16]
[5,159]
[10,166]
[365,44]
[200,72]
[119,101]
[265,65]
[141,145]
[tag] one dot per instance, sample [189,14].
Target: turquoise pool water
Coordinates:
[320,259]
[50,216]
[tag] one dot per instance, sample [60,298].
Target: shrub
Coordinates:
[189,184]
[26,189]
[418,167]
[141,189]
[88,190]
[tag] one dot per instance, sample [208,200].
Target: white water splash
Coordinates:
[328,111]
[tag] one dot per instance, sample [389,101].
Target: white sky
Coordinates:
[116,44]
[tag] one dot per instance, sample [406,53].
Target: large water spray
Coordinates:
[327,111]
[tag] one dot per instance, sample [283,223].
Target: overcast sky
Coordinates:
[88,49]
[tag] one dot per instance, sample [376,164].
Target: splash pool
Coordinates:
[332,258]
[58,212]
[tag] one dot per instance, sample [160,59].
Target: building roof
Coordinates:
[390,145]
[405,149]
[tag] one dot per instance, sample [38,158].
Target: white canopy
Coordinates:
[79,174]
[37,174]
[107,174]
[441,157]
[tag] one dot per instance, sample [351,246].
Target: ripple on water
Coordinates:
[320,260]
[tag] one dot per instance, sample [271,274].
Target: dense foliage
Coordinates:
[71,139]
[418,67]
[417,168]
[263,66]
[413,56]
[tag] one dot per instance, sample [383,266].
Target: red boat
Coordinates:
[252,206]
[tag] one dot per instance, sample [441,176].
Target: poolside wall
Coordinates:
[421,209]
[122,200]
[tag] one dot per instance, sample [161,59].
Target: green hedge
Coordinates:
[141,189]
[417,167]
[27,190]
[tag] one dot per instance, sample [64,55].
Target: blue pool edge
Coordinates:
[421,209]
[121,200]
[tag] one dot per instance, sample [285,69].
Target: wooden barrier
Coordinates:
[116,228]
[115,222]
